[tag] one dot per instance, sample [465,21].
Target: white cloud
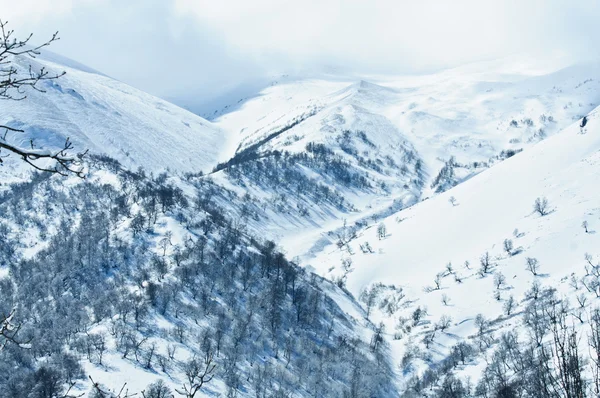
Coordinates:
[401,34]
[200,47]
[35,11]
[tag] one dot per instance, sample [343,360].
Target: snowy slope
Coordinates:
[465,112]
[110,117]
[363,149]
[423,239]
[476,116]
[492,204]
[309,327]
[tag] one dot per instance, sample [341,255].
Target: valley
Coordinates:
[328,236]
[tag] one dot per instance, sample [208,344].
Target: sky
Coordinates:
[195,51]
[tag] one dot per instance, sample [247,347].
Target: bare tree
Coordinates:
[381,231]
[100,392]
[541,206]
[499,280]
[508,247]
[158,389]
[9,330]
[369,297]
[198,373]
[14,83]
[457,278]
[444,323]
[485,262]
[532,265]
[594,346]
[438,280]
[567,359]
[445,299]
[509,305]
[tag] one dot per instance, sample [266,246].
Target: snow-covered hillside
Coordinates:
[414,194]
[106,116]
[130,279]
[472,113]
[434,250]
[396,140]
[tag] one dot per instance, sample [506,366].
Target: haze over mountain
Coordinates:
[192,52]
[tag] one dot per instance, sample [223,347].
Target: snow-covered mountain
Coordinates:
[434,242]
[472,113]
[106,116]
[395,140]
[330,236]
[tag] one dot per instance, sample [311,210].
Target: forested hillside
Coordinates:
[126,274]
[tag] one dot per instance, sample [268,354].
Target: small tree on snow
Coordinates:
[444,323]
[164,244]
[198,373]
[366,248]
[445,299]
[509,305]
[381,231]
[485,262]
[532,265]
[588,259]
[508,247]
[584,225]
[438,281]
[369,297]
[347,269]
[499,280]
[158,389]
[418,315]
[541,206]
[500,284]
[138,223]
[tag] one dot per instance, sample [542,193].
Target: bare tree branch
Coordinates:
[9,330]
[123,392]
[13,86]
[198,374]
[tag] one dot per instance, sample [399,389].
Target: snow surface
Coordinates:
[468,113]
[106,116]
[465,113]
[490,206]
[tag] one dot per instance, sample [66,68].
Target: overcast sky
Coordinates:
[195,49]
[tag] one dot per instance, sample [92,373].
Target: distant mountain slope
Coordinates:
[402,139]
[110,117]
[471,113]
